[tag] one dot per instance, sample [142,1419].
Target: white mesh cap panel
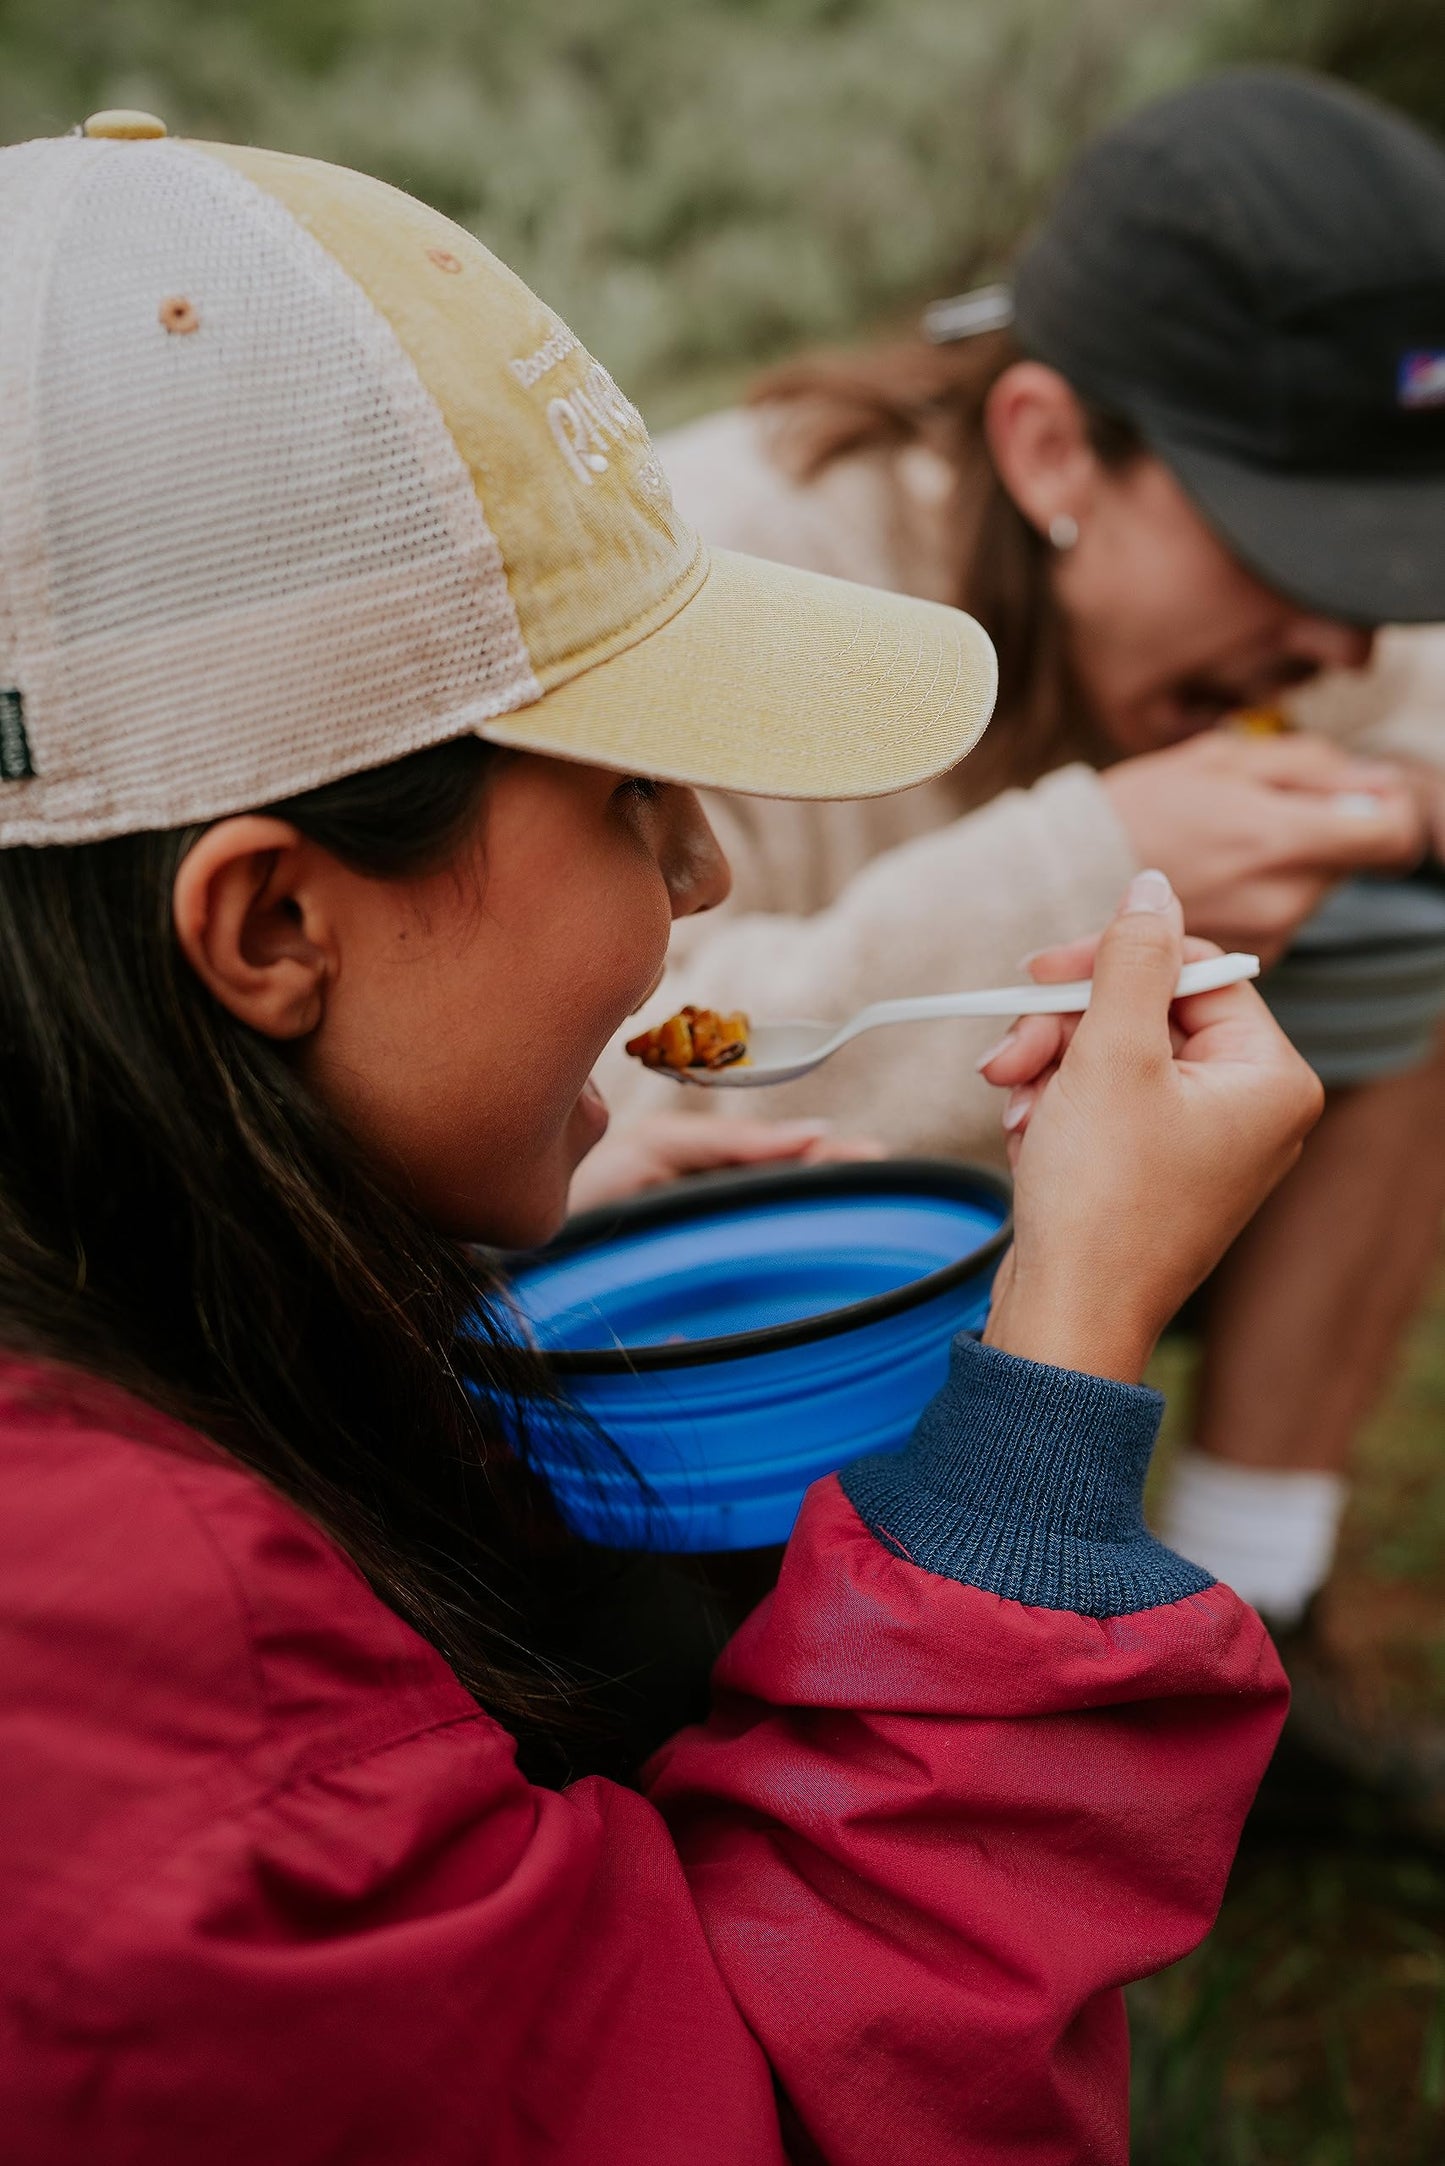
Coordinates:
[262,516]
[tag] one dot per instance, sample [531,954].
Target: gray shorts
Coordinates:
[1361,992]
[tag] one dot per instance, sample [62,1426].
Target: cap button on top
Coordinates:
[122,126]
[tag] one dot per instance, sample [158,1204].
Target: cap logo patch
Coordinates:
[1421,381]
[14,744]
[589,421]
[530,368]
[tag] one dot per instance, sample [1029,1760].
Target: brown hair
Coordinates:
[839,405]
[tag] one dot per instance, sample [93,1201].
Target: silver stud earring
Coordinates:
[1063,530]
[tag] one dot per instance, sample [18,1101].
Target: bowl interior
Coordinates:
[733,1266]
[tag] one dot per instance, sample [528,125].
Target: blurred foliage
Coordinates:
[693,183]
[1395,48]
[688,181]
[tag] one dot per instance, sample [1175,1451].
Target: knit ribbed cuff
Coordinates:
[1028,1482]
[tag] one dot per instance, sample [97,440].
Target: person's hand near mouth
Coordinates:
[1254,831]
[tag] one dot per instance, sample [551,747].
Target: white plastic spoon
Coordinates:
[779,1052]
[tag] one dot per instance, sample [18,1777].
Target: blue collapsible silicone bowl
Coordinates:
[740,1336]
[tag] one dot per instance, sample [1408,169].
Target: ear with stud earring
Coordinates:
[1063,530]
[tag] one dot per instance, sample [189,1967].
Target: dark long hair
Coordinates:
[180,1216]
[829,406]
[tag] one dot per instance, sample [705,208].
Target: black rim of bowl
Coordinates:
[729,1191]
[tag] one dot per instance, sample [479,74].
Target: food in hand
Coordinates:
[1261,722]
[693,1038]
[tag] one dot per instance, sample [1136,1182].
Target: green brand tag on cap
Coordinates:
[14,744]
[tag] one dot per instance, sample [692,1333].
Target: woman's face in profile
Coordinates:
[450,1019]
[1167,631]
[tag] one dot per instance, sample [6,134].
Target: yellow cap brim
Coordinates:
[777,683]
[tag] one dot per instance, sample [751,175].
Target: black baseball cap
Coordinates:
[1252,271]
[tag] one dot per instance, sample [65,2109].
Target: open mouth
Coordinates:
[1202,703]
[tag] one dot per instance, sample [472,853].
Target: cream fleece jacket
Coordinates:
[836,905]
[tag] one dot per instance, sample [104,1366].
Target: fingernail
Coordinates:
[1357,804]
[1001,1046]
[1026,962]
[1016,1112]
[1147,892]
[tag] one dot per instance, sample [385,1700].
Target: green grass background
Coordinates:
[702,185]
[1309,2030]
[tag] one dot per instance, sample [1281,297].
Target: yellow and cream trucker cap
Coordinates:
[296,478]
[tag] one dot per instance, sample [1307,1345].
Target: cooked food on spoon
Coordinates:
[693,1038]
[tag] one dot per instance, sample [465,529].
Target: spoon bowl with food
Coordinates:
[727,1052]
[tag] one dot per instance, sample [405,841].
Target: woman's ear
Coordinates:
[1038,438]
[251,917]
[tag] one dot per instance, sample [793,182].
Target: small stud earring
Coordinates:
[1063,530]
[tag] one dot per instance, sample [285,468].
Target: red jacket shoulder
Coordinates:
[175,1638]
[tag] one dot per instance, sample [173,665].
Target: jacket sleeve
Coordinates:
[960,906]
[982,1756]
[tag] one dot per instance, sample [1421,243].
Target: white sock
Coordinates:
[1268,1535]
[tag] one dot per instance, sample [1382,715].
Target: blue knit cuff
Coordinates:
[1028,1482]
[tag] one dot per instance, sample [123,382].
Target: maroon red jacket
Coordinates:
[273,1893]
